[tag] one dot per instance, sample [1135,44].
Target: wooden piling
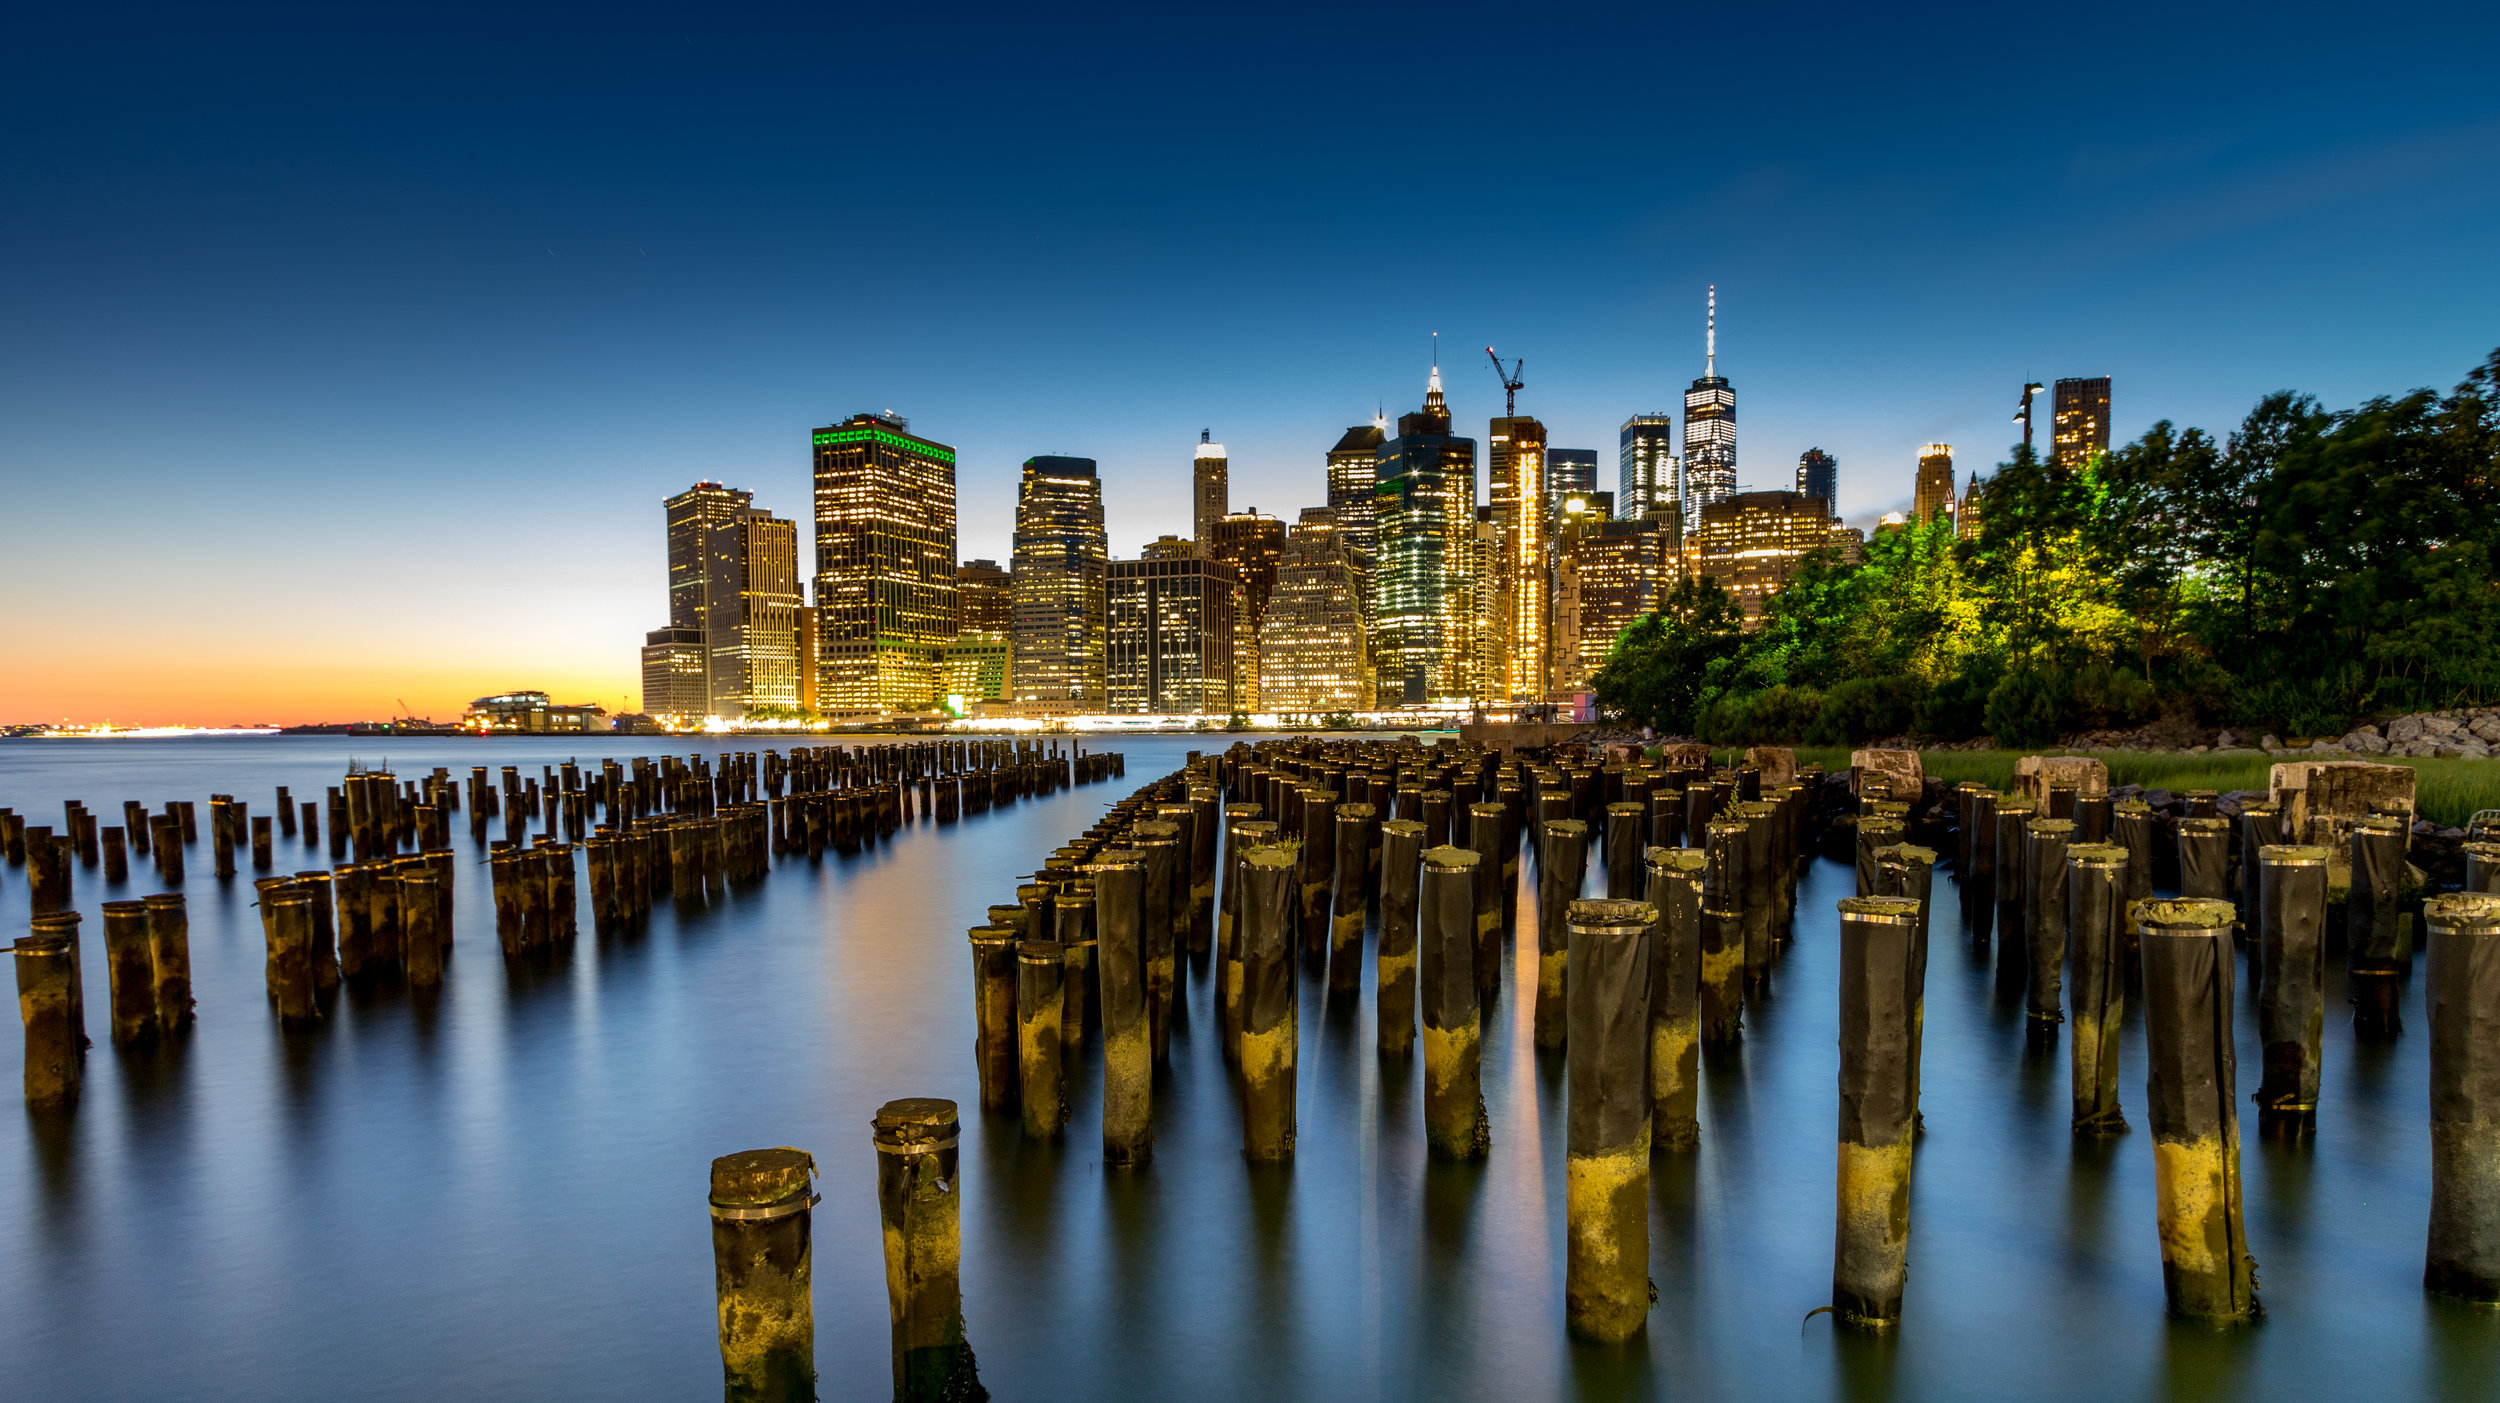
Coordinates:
[2044,860]
[1563,845]
[1675,882]
[1871,1238]
[169,959]
[421,937]
[919,1198]
[2376,936]
[165,837]
[2205,859]
[48,1004]
[1269,1022]
[2096,891]
[1909,871]
[1722,933]
[263,849]
[761,1239]
[1041,1007]
[47,872]
[290,973]
[2206,1270]
[1455,1124]
[130,972]
[1123,965]
[994,1039]
[1394,956]
[1487,826]
[2291,984]
[116,858]
[1606,1291]
[2462,998]
[1158,846]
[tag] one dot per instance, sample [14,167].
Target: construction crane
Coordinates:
[1511,383]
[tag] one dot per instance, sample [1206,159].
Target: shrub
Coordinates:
[1957,709]
[2024,708]
[1727,720]
[1864,708]
[1782,714]
[2103,697]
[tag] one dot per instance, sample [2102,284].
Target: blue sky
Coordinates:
[403,318]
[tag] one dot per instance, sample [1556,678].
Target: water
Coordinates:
[500,1194]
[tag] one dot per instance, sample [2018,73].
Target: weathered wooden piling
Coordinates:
[1394,956]
[264,852]
[1072,927]
[761,1239]
[47,872]
[1871,1238]
[1319,867]
[1675,882]
[2206,1270]
[420,918]
[221,837]
[169,959]
[290,938]
[130,971]
[2096,893]
[1158,845]
[48,1004]
[2291,984]
[116,858]
[2044,858]
[1455,1124]
[1908,870]
[1606,1292]
[1269,1026]
[919,1198]
[165,838]
[1875,832]
[2462,998]
[2375,936]
[1121,964]
[1722,933]
[1488,825]
[1041,1008]
[994,1039]
[2205,859]
[1563,847]
[2014,815]
[1626,843]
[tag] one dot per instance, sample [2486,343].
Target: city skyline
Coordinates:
[350,309]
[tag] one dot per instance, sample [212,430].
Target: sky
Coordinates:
[347,352]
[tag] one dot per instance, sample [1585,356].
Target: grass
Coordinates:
[2447,792]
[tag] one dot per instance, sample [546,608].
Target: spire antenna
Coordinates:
[1710,341]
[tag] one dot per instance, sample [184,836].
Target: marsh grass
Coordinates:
[2447,792]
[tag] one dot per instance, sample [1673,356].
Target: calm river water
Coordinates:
[501,1194]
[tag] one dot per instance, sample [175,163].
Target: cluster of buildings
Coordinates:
[1403,591]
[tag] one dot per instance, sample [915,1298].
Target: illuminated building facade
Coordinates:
[986,601]
[1606,575]
[2082,420]
[1353,475]
[691,516]
[811,660]
[1210,492]
[1252,543]
[751,614]
[529,713]
[1709,429]
[1818,475]
[1060,570]
[1647,480]
[1521,508]
[1568,470]
[1424,585]
[1752,543]
[885,564]
[1933,496]
[1314,647]
[976,666]
[1174,621]
[672,675]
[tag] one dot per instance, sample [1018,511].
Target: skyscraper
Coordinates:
[1568,470]
[1648,476]
[1210,491]
[1709,427]
[1933,494]
[1522,515]
[1313,646]
[1606,575]
[691,516]
[1752,543]
[1818,475]
[885,564]
[672,675]
[751,614]
[1251,542]
[1173,618]
[1061,569]
[1353,474]
[983,589]
[1424,585]
[2082,420]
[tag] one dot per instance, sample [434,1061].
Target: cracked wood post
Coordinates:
[994,979]
[130,971]
[1348,908]
[1871,1235]
[2291,984]
[2462,994]
[1393,993]
[1908,870]
[1454,1117]
[1487,825]
[2096,894]
[1564,845]
[1606,1291]
[1675,879]
[169,957]
[761,1238]
[1041,1010]
[1269,1027]
[2206,1270]
[2375,933]
[48,1004]
[919,1201]
[2044,861]
[1124,966]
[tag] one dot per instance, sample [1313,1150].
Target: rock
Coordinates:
[1777,763]
[2439,727]
[2473,750]
[2198,749]
[2270,742]
[2033,774]
[1902,767]
[2404,730]
[2366,741]
[2486,729]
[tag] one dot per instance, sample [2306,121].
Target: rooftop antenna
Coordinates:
[1510,382]
[1710,341]
[1206,435]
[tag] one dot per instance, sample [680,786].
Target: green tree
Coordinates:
[1672,662]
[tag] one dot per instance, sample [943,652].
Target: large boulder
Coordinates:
[1777,763]
[1900,767]
[2320,800]
[2033,774]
